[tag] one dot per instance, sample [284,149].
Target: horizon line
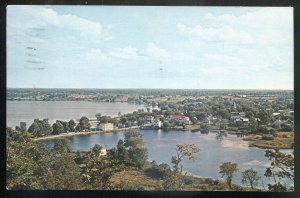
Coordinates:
[155,88]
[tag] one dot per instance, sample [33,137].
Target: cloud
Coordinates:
[125,53]
[96,55]
[221,34]
[42,16]
[153,51]
[264,26]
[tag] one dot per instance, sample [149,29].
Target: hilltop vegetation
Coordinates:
[32,165]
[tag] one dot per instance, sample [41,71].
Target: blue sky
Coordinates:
[149,47]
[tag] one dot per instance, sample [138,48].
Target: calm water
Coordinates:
[161,146]
[27,111]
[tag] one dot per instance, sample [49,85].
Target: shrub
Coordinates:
[267,137]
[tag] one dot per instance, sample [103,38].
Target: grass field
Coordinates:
[282,140]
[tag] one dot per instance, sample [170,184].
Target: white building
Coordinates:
[103,152]
[106,126]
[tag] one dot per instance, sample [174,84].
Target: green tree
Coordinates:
[66,126]
[34,128]
[227,170]
[97,170]
[282,166]
[264,116]
[72,125]
[138,153]
[31,165]
[122,153]
[84,123]
[251,177]
[57,128]
[174,180]
[98,116]
[23,127]
[62,146]
[40,128]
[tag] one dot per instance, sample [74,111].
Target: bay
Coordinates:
[27,111]
[161,146]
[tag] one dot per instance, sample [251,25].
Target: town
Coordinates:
[263,113]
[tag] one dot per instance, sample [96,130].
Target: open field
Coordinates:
[282,140]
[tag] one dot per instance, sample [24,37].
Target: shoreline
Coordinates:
[70,134]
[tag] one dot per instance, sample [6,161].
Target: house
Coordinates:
[147,119]
[103,152]
[94,124]
[278,123]
[288,122]
[242,114]
[276,114]
[179,118]
[106,126]
[288,113]
[239,120]
[157,124]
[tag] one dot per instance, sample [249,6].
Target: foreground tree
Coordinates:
[31,165]
[137,151]
[174,180]
[251,177]
[282,167]
[227,170]
[97,169]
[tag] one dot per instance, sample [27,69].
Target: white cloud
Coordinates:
[42,16]
[125,53]
[221,34]
[153,51]
[96,55]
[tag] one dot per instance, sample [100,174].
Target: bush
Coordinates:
[160,170]
[232,129]
[267,137]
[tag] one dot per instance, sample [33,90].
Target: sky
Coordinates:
[150,47]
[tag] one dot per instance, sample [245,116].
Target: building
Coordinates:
[106,126]
[179,118]
[147,119]
[94,124]
[103,152]
[157,124]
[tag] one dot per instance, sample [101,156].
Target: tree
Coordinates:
[72,125]
[34,128]
[98,116]
[252,124]
[40,128]
[282,166]
[264,116]
[31,165]
[97,170]
[62,146]
[227,170]
[138,154]
[251,177]
[66,126]
[122,153]
[23,126]
[57,128]
[84,123]
[174,180]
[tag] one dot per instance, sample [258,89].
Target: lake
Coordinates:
[161,146]
[27,111]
